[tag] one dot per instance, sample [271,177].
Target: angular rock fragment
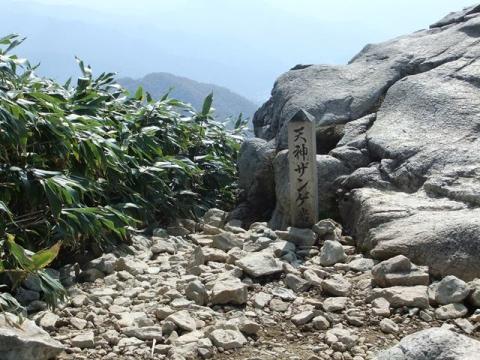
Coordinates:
[260,264]
[25,340]
[398,296]
[399,271]
[229,291]
[227,339]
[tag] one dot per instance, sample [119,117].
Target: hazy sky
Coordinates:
[241,44]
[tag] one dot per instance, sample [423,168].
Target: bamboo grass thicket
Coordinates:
[81,164]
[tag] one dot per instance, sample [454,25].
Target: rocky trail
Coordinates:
[228,293]
[397,159]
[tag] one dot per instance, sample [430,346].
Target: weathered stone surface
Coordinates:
[25,340]
[301,237]
[105,263]
[183,320]
[230,290]
[320,323]
[197,292]
[435,343]
[328,170]
[303,317]
[133,267]
[474,297]
[334,304]
[227,339]
[451,311]
[341,339]
[361,265]
[84,340]
[227,241]
[256,177]
[451,290]
[259,264]
[388,326]
[408,162]
[423,229]
[215,217]
[48,320]
[163,246]
[296,283]
[399,271]
[303,184]
[331,253]
[398,296]
[278,305]
[336,285]
[381,307]
[262,299]
[205,254]
[144,333]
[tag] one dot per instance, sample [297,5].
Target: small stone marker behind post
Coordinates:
[302,162]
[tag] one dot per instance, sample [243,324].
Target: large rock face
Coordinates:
[408,165]
[434,344]
[25,340]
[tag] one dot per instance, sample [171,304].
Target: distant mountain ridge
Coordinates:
[226,102]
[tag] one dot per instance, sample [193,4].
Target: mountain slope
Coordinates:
[226,102]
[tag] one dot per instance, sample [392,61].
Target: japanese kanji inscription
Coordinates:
[302,170]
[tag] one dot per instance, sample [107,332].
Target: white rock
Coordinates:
[388,326]
[25,340]
[399,271]
[227,339]
[301,237]
[183,320]
[320,323]
[283,293]
[435,344]
[144,333]
[312,277]
[474,297]
[226,241]
[334,304]
[331,253]
[302,318]
[340,339]
[229,290]
[196,292]
[83,341]
[215,217]
[78,323]
[361,265]
[451,311]
[296,283]
[261,300]
[398,296]
[336,285]
[451,290]
[134,267]
[381,307]
[259,264]
[48,320]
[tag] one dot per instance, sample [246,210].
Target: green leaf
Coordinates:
[139,94]
[18,252]
[43,258]
[207,105]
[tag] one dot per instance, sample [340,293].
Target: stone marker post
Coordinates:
[302,164]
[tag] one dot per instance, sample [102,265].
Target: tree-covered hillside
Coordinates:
[226,103]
